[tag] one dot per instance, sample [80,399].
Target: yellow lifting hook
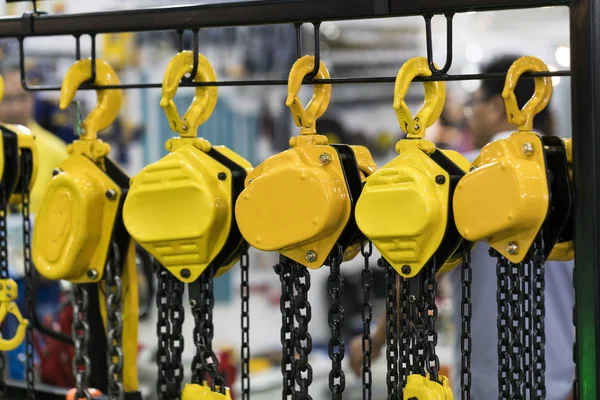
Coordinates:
[422,388]
[8,296]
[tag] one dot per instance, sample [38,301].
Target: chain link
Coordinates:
[515,376]
[366,249]
[81,335]
[287,307]
[526,329]
[177,315]
[502,293]
[539,314]
[304,372]
[405,332]
[430,313]
[163,332]
[114,290]
[392,349]
[335,288]
[3,273]
[466,311]
[245,321]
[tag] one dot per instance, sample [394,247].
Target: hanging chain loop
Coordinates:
[81,336]
[335,288]
[245,321]
[502,294]
[466,312]
[285,271]
[163,332]
[304,372]
[366,249]
[539,314]
[114,290]
[392,331]
[177,315]
[430,313]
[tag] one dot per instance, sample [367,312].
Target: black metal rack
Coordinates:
[585,85]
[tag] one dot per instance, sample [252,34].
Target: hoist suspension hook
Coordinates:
[523,118]
[435,97]
[422,388]
[8,295]
[205,98]
[306,118]
[109,100]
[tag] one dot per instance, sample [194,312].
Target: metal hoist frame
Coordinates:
[212,180]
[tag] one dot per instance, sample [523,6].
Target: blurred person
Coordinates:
[487,120]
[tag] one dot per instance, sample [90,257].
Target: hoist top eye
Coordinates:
[435,97]
[541,96]
[109,100]
[306,118]
[204,101]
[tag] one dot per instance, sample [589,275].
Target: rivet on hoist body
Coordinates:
[301,204]
[406,211]
[80,237]
[180,209]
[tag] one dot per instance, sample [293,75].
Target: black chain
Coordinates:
[163,332]
[539,314]
[392,349]
[286,271]
[405,332]
[26,164]
[114,290]
[304,373]
[3,273]
[466,311]
[245,322]
[81,336]
[430,313]
[366,249]
[502,293]
[526,329]
[177,315]
[335,288]
[515,376]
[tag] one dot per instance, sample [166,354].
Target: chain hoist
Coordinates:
[194,243]
[366,249]
[314,187]
[417,239]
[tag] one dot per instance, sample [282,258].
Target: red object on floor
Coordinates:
[56,357]
[93,392]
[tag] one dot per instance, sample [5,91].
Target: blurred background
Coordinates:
[254,122]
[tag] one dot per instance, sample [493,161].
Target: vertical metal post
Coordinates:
[585,103]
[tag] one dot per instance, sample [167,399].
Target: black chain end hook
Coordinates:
[195,49]
[315,71]
[435,71]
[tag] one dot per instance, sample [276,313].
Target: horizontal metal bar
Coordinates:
[261,12]
[283,82]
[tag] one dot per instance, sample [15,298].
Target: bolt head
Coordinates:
[111,194]
[8,287]
[184,127]
[440,179]
[528,149]
[406,269]
[92,273]
[193,303]
[185,273]
[412,298]
[56,171]
[222,176]
[512,248]
[417,127]
[311,256]
[324,158]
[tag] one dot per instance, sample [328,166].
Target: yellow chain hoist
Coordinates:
[80,236]
[301,202]
[181,208]
[406,206]
[520,188]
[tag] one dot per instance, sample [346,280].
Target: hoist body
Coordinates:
[180,208]
[76,217]
[26,144]
[202,392]
[300,202]
[406,207]
[518,189]
[422,388]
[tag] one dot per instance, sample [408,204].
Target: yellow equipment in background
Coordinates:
[406,206]
[519,187]
[80,232]
[301,202]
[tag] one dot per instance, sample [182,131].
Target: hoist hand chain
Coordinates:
[177,315]
[515,376]
[335,317]
[3,275]
[539,313]
[502,325]
[114,290]
[406,334]
[81,335]
[366,249]
[466,311]
[392,377]
[287,306]
[304,373]
[430,312]
[245,321]
[526,329]
[163,332]
[26,163]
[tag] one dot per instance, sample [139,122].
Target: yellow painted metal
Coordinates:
[422,388]
[435,97]
[193,391]
[109,100]
[204,101]
[306,118]
[8,295]
[75,221]
[25,140]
